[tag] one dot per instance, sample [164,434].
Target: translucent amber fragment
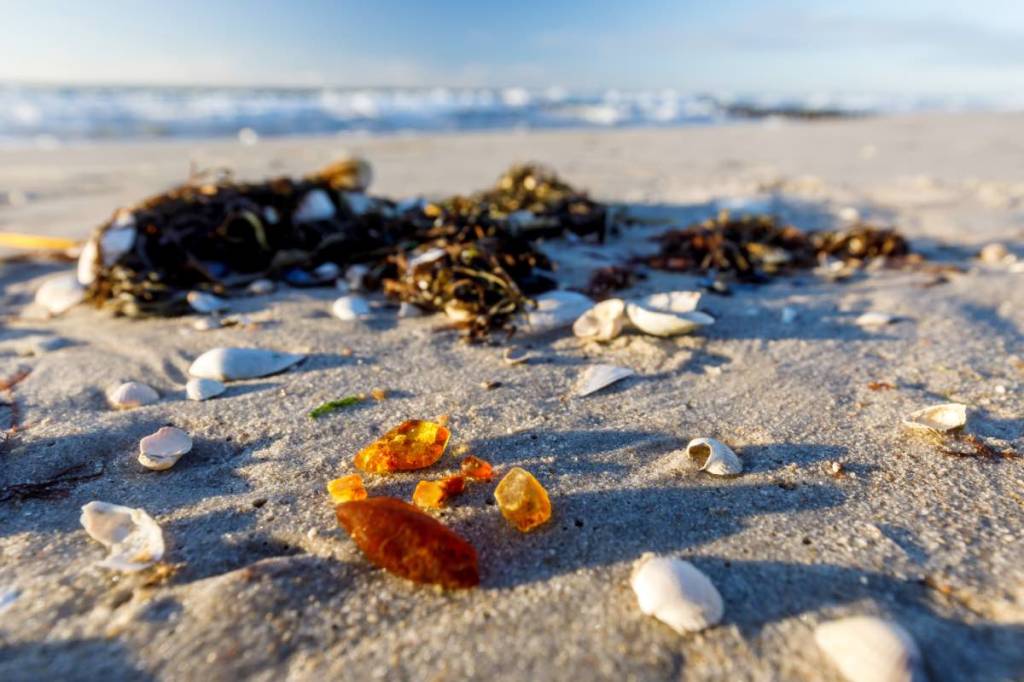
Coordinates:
[346,489]
[522,500]
[435,494]
[477,469]
[413,444]
[408,542]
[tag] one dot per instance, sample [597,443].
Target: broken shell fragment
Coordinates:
[131,394]
[163,449]
[315,206]
[58,294]
[555,310]
[596,377]
[523,501]
[114,243]
[229,364]
[405,541]
[603,322]
[659,323]
[677,593]
[413,444]
[672,301]
[133,537]
[350,308]
[938,418]
[205,303]
[346,489]
[203,389]
[714,457]
[868,649]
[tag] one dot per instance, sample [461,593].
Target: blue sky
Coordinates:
[911,46]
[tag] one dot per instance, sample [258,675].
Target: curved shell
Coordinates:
[938,418]
[229,364]
[714,457]
[350,308]
[555,310]
[596,377]
[672,301]
[132,394]
[203,389]
[868,649]
[657,323]
[603,322]
[133,537]
[163,449]
[57,294]
[677,593]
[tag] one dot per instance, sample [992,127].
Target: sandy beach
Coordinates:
[266,585]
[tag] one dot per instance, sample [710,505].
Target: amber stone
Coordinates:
[522,500]
[413,444]
[477,469]
[435,494]
[346,489]
[405,541]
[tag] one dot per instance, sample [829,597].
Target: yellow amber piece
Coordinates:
[413,444]
[477,469]
[346,489]
[522,500]
[435,494]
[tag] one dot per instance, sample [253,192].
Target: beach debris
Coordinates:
[106,250]
[477,469]
[676,592]
[880,386]
[435,494]
[203,389]
[205,303]
[657,323]
[603,322]
[874,320]
[232,364]
[59,294]
[54,487]
[346,489]
[327,271]
[350,308]
[261,287]
[869,649]
[315,206]
[379,394]
[714,457]
[595,377]
[131,394]
[409,543]
[205,324]
[134,539]
[523,501]
[604,281]
[517,356]
[995,254]
[672,301]
[355,277]
[556,310]
[335,405]
[937,419]
[163,449]
[351,174]
[413,444]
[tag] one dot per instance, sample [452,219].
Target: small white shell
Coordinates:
[131,394]
[555,310]
[867,649]
[229,364]
[114,243]
[406,309]
[657,323]
[995,253]
[351,308]
[133,537]
[672,301]
[596,377]
[327,271]
[677,593]
[58,294]
[163,449]
[316,205]
[355,275]
[205,324]
[938,418]
[203,302]
[260,287]
[603,322]
[203,389]
[714,457]
[873,319]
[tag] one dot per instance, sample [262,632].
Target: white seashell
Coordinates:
[358,203]
[555,310]
[657,323]
[132,394]
[873,319]
[58,294]
[714,457]
[163,449]
[229,364]
[603,322]
[133,537]
[867,649]
[115,241]
[406,309]
[428,256]
[596,377]
[260,287]
[995,254]
[203,389]
[938,418]
[316,205]
[355,275]
[205,324]
[350,308]
[672,301]
[677,593]
[205,303]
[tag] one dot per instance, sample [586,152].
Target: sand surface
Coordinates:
[268,587]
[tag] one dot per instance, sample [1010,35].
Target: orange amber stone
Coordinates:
[477,469]
[435,494]
[413,444]
[346,489]
[522,500]
[401,539]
